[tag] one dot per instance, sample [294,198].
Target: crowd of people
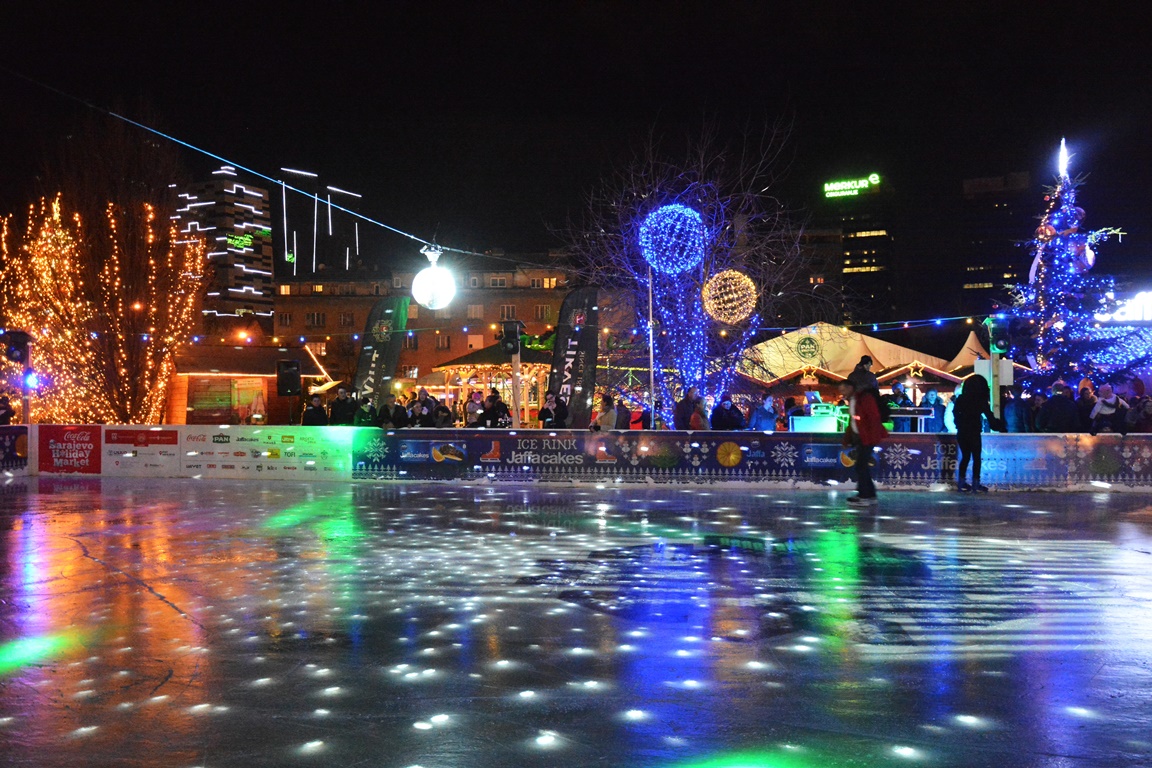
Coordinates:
[1056,409]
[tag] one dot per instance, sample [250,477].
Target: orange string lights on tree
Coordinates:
[107,312]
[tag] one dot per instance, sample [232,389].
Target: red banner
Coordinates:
[69,449]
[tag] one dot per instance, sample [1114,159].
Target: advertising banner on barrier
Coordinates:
[141,452]
[284,451]
[67,449]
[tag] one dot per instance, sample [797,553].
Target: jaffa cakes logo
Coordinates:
[808,348]
[382,331]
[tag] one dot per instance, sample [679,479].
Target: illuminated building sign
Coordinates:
[239,241]
[1135,311]
[851,187]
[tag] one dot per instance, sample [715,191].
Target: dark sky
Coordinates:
[486,122]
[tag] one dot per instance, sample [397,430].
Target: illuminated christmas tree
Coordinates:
[107,308]
[1057,317]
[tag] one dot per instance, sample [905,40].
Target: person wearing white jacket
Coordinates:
[1110,412]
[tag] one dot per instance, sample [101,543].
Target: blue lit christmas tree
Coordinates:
[1058,330]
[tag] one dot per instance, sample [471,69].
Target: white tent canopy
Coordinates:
[830,347]
[972,351]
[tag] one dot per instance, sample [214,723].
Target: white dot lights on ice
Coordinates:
[302,612]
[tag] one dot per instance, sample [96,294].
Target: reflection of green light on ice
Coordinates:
[21,653]
[757,760]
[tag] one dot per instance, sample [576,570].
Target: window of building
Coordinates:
[284,319]
[413,311]
[315,319]
[543,282]
[317,289]
[475,341]
[409,372]
[507,311]
[347,319]
[285,290]
[411,341]
[543,312]
[475,311]
[443,314]
[970,286]
[497,282]
[443,341]
[474,281]
[397,282]
[816,279]
[537,282]
[319,348]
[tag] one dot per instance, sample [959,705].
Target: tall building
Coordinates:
[860,209]
[996,216]
[234,217]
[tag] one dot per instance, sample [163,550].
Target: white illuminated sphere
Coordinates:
[433,287]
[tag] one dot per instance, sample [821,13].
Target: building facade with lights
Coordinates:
[328,314]
[234,218]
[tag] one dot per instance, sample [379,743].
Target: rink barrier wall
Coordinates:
[344,454]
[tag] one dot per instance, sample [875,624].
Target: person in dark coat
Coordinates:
[682,413]
[623,415]
[342,410]
[727,416]
[392,415]
[934,423]
[554,414]
[972,406]
[1015,410]
[314,414]
[862,377]
[1059,414]
[6,411]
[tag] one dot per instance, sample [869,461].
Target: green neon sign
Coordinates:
[851,187]
[239,241]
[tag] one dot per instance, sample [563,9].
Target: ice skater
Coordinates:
[973,405]
[864,433]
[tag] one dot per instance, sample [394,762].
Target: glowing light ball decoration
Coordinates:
[672,239]
[433,287]
[729,297]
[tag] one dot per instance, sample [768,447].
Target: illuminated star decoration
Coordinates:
[916,369]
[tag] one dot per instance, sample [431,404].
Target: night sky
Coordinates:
[484,124]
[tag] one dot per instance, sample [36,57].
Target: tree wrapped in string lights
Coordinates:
[107,306]
[719,253]
[1057,315]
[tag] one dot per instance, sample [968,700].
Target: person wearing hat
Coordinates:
[862,377]
[727,416]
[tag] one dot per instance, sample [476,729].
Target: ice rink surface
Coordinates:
[181,623]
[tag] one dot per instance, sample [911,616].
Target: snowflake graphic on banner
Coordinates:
[898,456]
[785,454]
[377,450]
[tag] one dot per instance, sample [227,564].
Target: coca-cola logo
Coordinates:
[77,437]
[196,438]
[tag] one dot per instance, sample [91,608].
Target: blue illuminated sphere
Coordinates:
[672,239]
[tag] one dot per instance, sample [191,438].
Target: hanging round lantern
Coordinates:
[433,287]
[672,239]
[729,297]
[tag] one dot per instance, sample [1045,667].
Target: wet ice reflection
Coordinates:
[487,625]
